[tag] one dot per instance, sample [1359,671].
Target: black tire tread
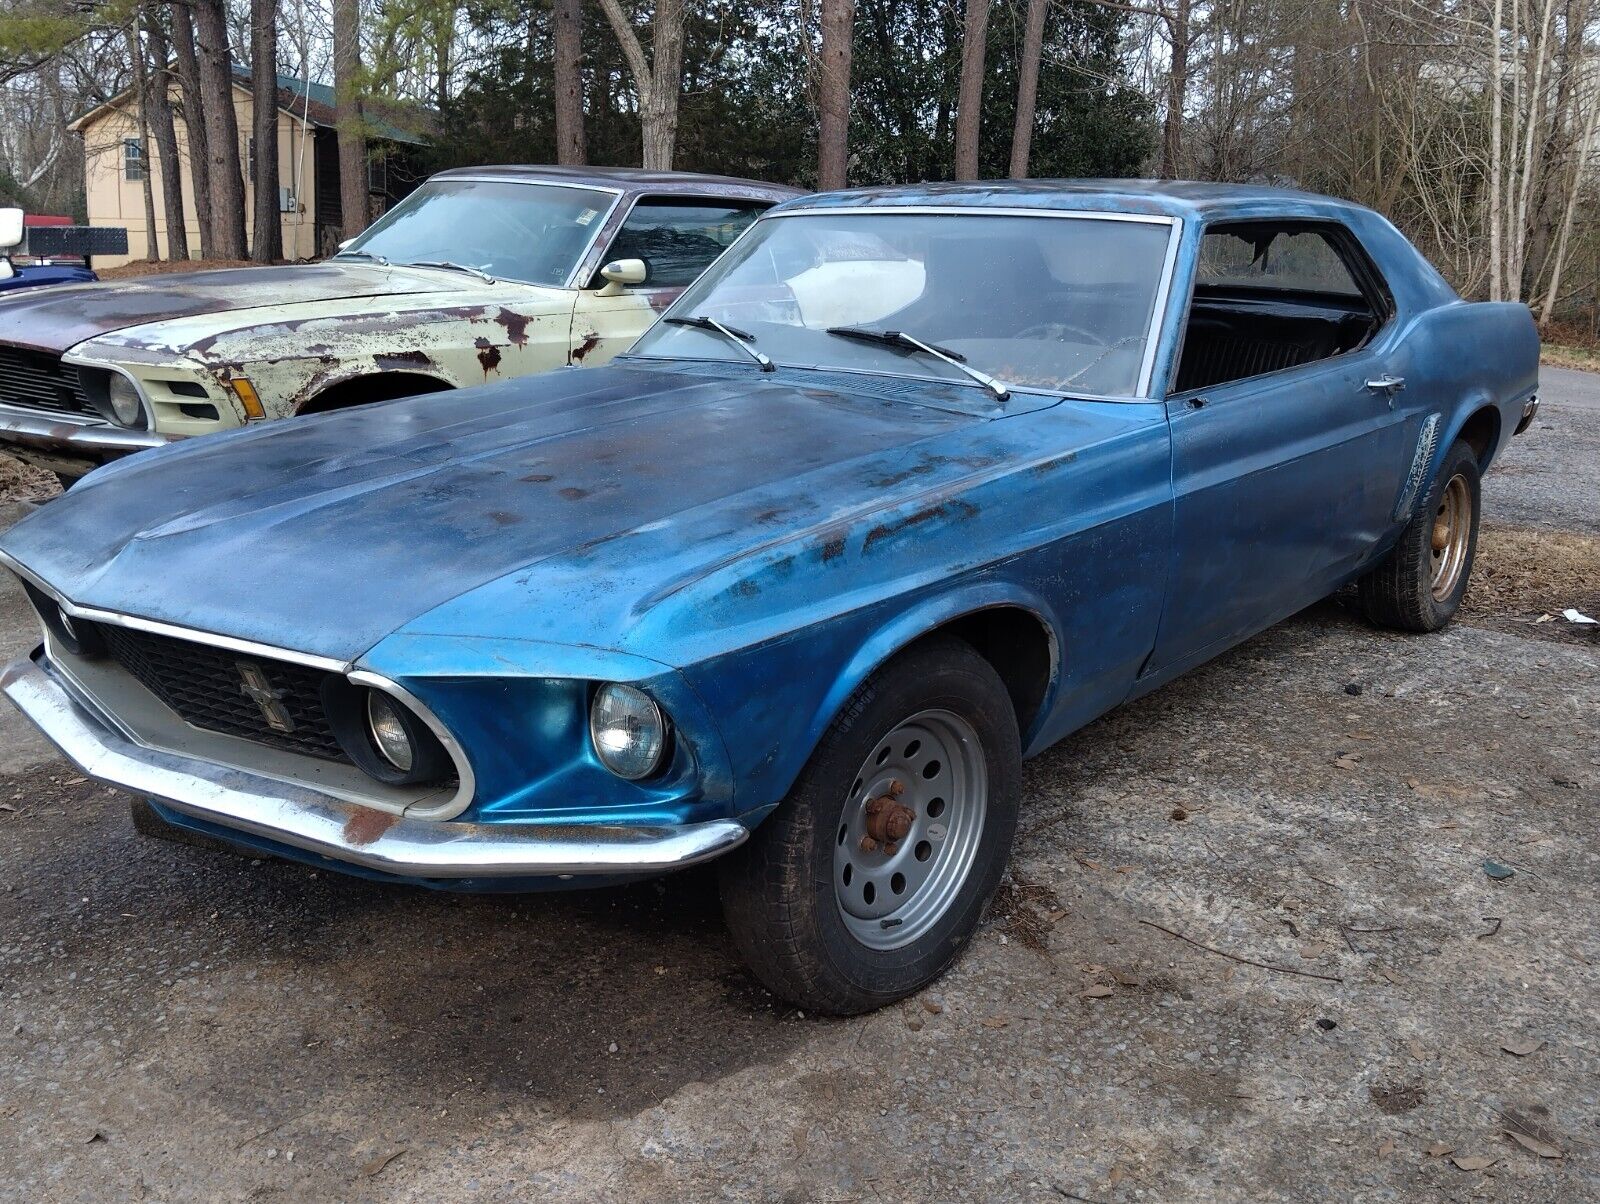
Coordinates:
[1397,592]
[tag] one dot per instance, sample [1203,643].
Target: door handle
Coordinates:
[1387,385]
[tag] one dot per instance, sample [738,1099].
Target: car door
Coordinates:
[1287,445]
[677,238]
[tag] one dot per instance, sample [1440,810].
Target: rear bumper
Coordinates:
[361,837]
[68,445]
[1530,411]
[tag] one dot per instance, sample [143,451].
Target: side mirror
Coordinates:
[620,272]
[10,228]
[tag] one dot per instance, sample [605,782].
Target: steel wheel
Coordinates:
[1452,537]
[910,830]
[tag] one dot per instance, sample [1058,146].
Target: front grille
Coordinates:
[213,689]
[41,381]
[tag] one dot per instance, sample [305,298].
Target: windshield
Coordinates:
[535,233]
[1056,303]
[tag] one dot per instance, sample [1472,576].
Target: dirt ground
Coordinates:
[1317,922]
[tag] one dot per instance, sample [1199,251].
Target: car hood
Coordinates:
[282,535]
[59,318]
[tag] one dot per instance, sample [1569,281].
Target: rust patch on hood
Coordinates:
[488,355]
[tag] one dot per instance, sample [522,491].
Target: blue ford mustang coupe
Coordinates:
[910,485]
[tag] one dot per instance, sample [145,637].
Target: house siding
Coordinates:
[114,200]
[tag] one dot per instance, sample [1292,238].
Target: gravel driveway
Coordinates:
[1250,951]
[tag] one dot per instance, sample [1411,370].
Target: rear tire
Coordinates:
[1419,585]
[870,877]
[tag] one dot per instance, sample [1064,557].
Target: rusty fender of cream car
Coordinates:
[480,275]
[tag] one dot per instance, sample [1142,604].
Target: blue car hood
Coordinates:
[325,534]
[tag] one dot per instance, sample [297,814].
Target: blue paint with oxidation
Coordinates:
[750,546]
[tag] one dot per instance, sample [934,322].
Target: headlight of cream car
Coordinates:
[123,398]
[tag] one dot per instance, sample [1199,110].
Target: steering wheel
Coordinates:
[1042,330]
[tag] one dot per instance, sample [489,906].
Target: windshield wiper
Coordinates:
[899,338]
[377,259]
[731,333]
[454,267]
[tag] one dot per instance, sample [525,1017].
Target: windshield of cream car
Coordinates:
[1060,303]
[530,232]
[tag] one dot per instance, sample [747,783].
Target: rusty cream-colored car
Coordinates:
[479,275]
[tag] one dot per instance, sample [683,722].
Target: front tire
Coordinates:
[1419,585]
[870,877]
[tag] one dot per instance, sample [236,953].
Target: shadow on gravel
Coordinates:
[595,1003]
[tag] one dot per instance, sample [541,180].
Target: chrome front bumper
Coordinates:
[69,433]
[318,823]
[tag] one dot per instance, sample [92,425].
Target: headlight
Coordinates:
[124,401]
[388,731]
[383,736]
[628,730]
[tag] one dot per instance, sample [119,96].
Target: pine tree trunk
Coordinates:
[1028,88]
[833,93]
[152,244]
[969,102]
[194,123]
[266,245]
[353,185]
[159,100]
[222,129]
[1177,90]
[568,29]
[657,79]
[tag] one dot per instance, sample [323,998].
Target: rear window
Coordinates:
[1273,258]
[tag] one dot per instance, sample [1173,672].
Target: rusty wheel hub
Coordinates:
[910,829]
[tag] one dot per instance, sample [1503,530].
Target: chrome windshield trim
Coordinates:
[1159,301]
[301,817]
[467,781]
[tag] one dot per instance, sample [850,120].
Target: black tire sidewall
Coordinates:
[849,976]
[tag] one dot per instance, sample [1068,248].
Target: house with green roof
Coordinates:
[117,159]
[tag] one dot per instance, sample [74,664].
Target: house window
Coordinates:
[378,173]
[132,159]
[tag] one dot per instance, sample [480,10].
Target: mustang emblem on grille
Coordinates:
[255,686]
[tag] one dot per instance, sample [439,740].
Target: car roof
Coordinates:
[629,180]
[1184,199]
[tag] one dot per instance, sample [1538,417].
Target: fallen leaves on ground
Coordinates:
[1473,1162]
[1522,1046]
[375,1166]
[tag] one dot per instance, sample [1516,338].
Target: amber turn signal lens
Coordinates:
[246,393]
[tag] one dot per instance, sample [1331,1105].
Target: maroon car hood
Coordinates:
[54,319]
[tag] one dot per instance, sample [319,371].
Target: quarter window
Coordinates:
[679,240]
[1276,295]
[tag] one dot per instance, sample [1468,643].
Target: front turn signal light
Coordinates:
[246,393]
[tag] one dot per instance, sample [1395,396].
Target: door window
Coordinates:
[1276,295]
[679,239]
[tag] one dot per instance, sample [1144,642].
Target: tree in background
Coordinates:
[656,77]
[969,104]
[1176,19]
[833,93]
[266,244]
[354,187]
[1028,88]
[222,130]
[141,107]
[567,19]
[162,127]
[193,109]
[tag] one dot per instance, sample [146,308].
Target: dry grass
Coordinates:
[21,482]
[1521,574]
[1570,345]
